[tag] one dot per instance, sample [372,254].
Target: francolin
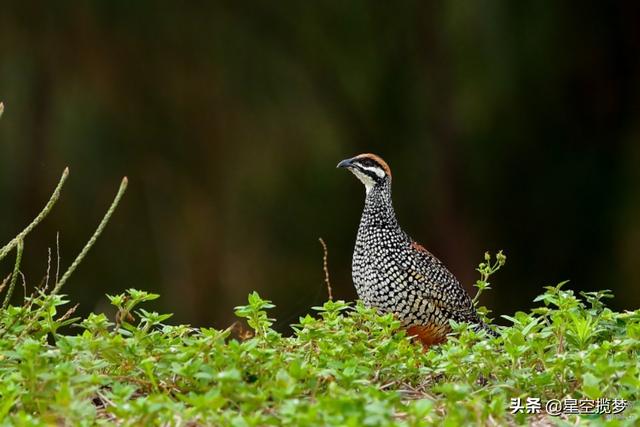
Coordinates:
[394,273]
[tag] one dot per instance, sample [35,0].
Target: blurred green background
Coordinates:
[508,125]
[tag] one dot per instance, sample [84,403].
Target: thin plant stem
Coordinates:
[325,267]
[15,274]
[94,237]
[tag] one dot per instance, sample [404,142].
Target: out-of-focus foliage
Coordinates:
[507,125]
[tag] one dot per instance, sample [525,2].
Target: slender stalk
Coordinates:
[325,267]
[15,274]
[42,215]
[94,237]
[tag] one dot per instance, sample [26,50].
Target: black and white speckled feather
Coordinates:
[392,272]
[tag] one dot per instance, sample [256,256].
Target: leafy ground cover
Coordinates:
[344,365]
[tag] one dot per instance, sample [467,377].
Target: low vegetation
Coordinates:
[344,365]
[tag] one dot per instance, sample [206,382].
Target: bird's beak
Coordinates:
[345,163]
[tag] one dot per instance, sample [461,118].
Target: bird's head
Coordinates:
[368,168]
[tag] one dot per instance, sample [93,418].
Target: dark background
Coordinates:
[508,125]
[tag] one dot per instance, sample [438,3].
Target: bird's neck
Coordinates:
[378,208]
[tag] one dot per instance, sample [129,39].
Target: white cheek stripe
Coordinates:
[375,170]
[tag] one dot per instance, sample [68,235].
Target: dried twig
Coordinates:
[46,277]
[326,268]
[69,313]
[57,256]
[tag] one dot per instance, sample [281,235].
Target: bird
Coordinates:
[395,274]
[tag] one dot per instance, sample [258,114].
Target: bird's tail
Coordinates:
[484,327]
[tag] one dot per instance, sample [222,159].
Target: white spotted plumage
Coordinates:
[394,274]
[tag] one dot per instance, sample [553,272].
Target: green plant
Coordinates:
[346,366]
